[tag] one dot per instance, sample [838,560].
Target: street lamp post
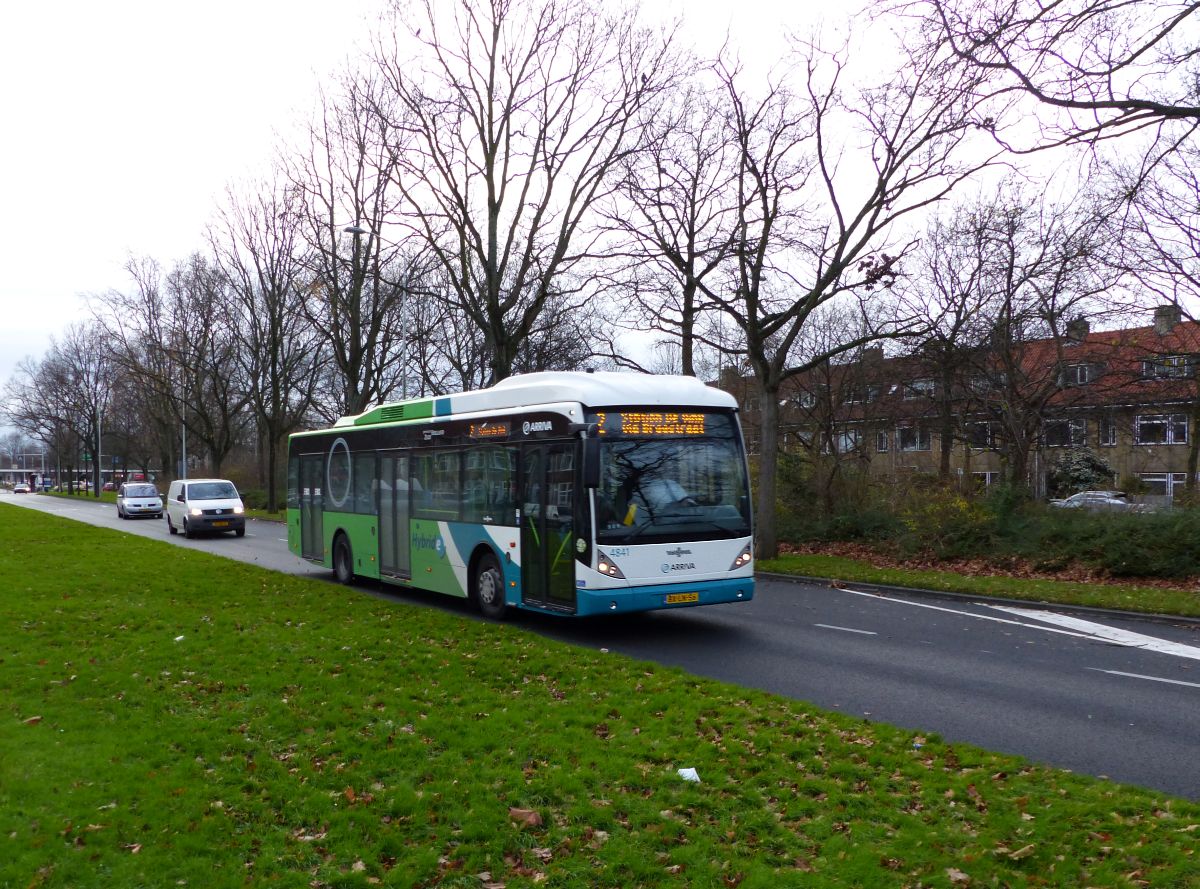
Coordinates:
[358,231]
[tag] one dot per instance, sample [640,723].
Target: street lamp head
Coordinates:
[356,229]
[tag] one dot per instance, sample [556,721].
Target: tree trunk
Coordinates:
[765,530]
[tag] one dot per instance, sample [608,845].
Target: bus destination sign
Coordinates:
[651,423]
[489,430]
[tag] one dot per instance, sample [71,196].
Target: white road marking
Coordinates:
[1151,678]
[1109,634]
[999,620]
[847,629]
[1064,625]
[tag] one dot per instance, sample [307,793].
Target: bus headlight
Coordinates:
[607,567]
[743,558]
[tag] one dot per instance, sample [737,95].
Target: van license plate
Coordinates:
[676,598]
[220,524]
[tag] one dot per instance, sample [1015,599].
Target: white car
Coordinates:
[205,504]
[21,488]
[138,499]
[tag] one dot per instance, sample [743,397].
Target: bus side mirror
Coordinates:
[591,462]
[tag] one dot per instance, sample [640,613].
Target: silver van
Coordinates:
[205,504]
[138,498]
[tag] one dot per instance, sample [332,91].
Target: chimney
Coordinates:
[1165,318]
[1078,330]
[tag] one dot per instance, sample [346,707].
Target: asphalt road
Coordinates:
[1102,695]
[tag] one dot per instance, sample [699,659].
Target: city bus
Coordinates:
[569,493]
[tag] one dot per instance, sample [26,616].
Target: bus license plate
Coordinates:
[676,598]
[220,524]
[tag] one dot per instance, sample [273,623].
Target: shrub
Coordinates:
[947,523]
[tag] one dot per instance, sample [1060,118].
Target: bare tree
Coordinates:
[674,217]
[1157,237]
[140,329]
[1104,67]
[950,272]
[257,244]
[825,178]
[356,279]
[176,334]
[1041,273]
[64,398]
[506,130]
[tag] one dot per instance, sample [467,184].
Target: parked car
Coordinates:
[21,488]
[138,499]
[1099,501]
[205,504]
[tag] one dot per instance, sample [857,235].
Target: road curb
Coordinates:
[984,598]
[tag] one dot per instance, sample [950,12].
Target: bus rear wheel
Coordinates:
[489,588]
[343,560]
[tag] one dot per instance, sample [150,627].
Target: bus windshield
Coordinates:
[663,486]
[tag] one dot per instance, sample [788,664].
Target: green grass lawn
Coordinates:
[1128,597]
[169,718]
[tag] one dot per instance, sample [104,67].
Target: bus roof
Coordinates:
[599,389]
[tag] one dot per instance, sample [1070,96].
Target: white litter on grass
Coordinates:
[178,638]
[689,775]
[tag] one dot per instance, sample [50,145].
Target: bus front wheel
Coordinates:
[489,588]
[343,560]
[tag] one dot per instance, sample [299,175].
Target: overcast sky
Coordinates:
[125,120]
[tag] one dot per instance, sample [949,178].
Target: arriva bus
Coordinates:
[567,493]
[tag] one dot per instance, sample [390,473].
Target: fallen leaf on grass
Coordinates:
[525,817]
[957,876]
[358,867]
[134,848]
[1023,852]
[33,720]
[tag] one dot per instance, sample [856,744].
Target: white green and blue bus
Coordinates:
[565,493]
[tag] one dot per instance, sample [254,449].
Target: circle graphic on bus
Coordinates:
[337,473]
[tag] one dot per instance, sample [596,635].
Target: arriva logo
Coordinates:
[680,551]
[668,567]
[430,541]
[539,426]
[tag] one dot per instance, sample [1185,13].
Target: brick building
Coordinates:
[1131,397]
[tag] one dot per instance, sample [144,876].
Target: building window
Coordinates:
[1108,432]
[862,394]
[882,441]
[1064,433]
[912,438]
[1164,484]
[985,479]
[1168,366]
[807,400]
[1079,374]
[982,436]
[843,441]
[1157,429]
[920,388]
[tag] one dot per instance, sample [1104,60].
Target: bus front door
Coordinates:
[312,506]
[547,525]
[394,545]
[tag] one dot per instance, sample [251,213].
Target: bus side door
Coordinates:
[394,544]
[548,491]
[312,506]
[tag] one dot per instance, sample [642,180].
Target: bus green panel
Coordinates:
[431,568]
[364,540]
[394,413]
